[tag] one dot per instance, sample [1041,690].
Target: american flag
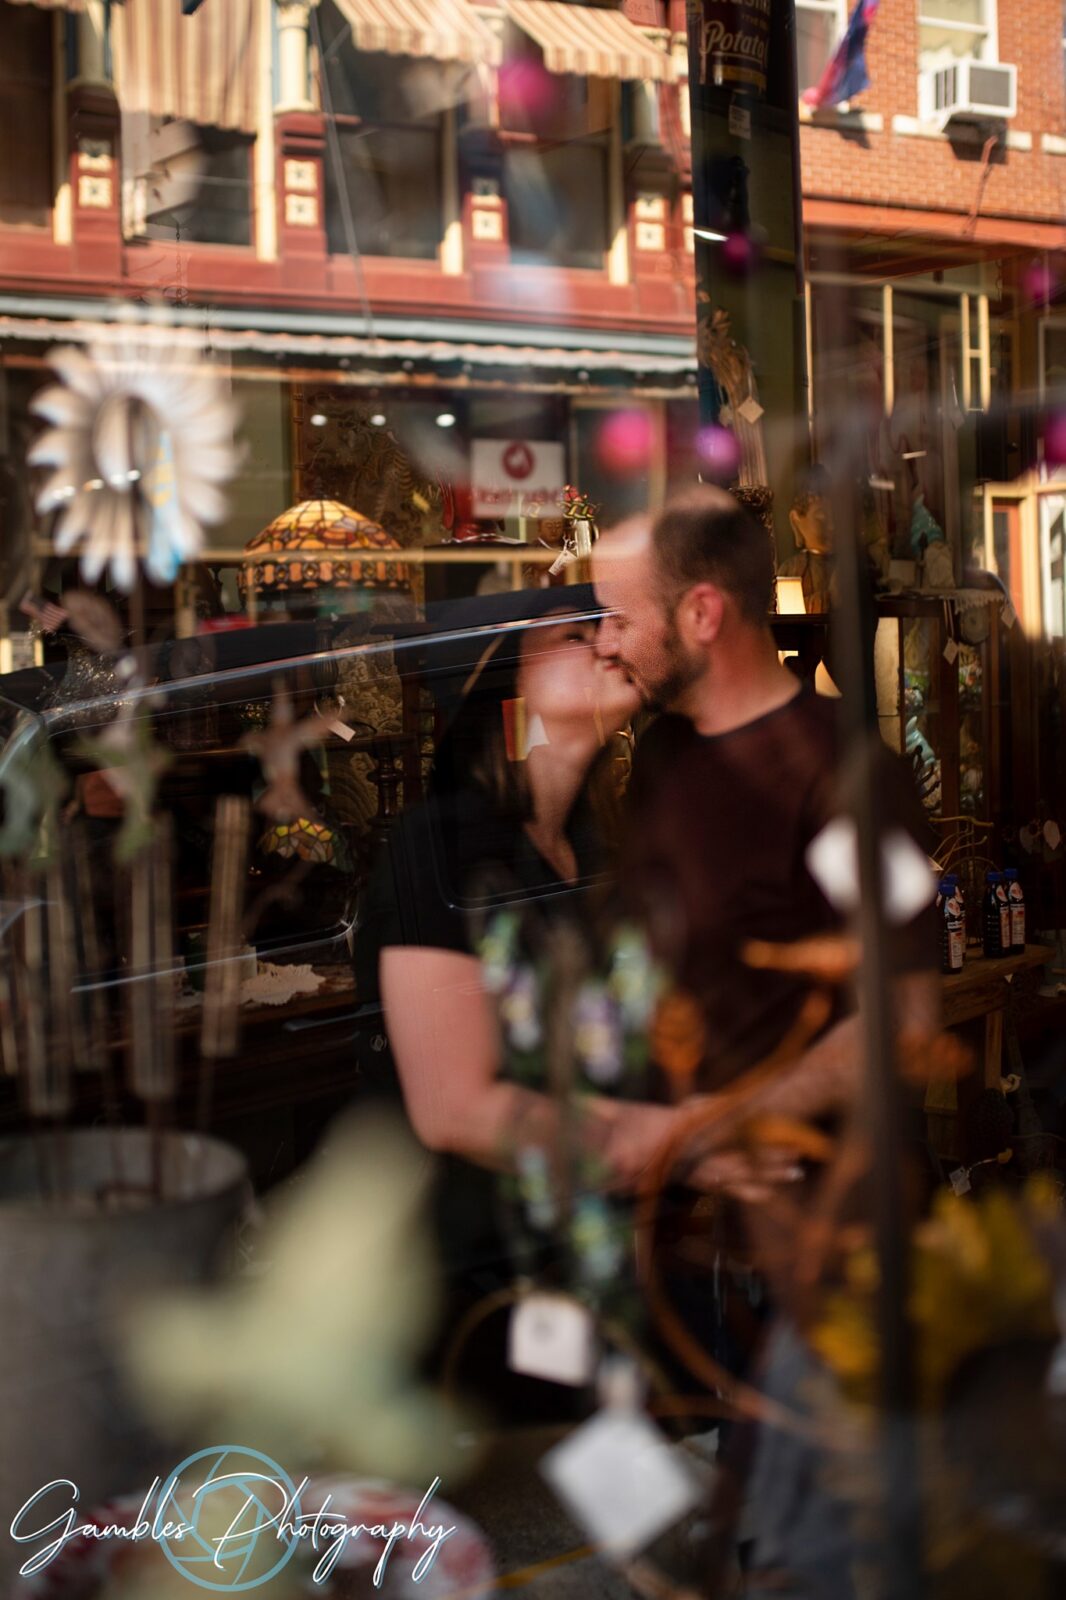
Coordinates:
[50,616]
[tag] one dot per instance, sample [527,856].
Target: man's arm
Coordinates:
[828,1076]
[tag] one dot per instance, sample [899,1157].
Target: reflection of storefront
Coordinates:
[389,426]
[924,356]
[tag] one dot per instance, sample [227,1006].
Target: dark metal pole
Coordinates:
[742,118]
[852,624]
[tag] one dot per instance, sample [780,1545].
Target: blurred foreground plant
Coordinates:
[978,1280]
[313,1358]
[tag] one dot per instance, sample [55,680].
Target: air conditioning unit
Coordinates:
[966,90]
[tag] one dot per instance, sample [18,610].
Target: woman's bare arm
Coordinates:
[446,1042]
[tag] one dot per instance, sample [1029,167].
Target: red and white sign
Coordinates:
[512,477]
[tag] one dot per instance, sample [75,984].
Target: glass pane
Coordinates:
[969,12]
[921,704]
[1053,518]
[222,210]
[1054,373]
[392,177]
[557,205]
[1001,527]
[815,37]
[972,753]
[25,118]
[941,44]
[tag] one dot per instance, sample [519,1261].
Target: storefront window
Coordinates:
[193,185]
[387,161]
[556,132]
[26,176]
[1053,548]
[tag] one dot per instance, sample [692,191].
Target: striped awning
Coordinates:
[203,69]
[589,40]
[440,30]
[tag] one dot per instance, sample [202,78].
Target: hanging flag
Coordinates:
[846,74]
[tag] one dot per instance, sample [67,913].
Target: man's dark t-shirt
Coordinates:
[717,838]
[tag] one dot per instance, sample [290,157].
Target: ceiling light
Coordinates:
[319,419]
[446,420]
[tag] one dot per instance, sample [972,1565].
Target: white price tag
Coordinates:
[951,650]
[833,862]
[552,1336]
[750,410]
[960,1180]
[620,1480]
[342,730]
[1010,616]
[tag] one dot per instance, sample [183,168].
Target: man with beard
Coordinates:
[731,785]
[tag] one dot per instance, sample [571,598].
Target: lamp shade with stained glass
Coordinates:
[322,544]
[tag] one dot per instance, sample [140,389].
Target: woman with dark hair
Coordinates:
[516,825]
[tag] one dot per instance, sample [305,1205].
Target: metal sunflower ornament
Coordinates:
[140,446]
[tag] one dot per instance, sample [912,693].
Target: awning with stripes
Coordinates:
[589,40]
[203,68]
[440,30]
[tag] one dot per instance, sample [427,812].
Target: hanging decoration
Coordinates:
[140,446]
[278,748]
[579,518]
[132,763]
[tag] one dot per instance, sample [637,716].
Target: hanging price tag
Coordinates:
[342,730]
[750,410]
[951,651]
[1052,835]
[1010,616]
[620,1480]
[552,1337]
[960,1180]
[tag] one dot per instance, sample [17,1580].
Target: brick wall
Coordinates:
[928,173]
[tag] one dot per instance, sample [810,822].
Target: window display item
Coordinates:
[952,925]
[996,918]
[140,446]
[1016,904]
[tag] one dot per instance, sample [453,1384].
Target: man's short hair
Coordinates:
[706,536]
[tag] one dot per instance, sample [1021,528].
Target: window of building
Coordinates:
[819,25]
[556,129]
[388,112]
[952,28]
[26,176]
[186,183]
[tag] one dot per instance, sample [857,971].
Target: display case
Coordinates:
[937,663]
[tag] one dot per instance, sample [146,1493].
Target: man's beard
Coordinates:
[681,669]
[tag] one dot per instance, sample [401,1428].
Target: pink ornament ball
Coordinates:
[739,254]
[1040,282]
[1055,439]
[624,444]
[525,87]
[718,453]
